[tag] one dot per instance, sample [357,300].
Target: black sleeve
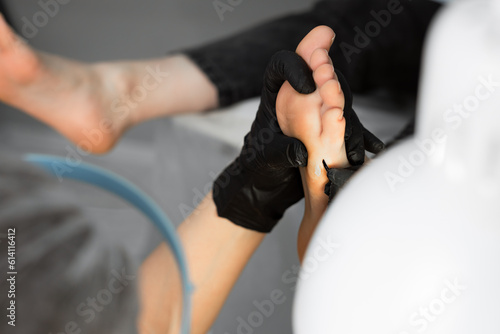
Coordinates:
[378,45]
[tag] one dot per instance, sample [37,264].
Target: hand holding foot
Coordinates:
[317,120]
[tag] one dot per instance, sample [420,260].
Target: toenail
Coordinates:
[340,88]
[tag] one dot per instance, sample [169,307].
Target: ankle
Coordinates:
[110,89]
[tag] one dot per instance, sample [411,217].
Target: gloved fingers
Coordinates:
[372,143]
[288,66]
[356,156]
[337,179]
[284,152]
[297,153]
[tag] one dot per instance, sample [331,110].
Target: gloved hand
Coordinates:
[255,189]
[357,137]
[337,178]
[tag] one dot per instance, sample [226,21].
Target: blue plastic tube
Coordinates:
[119,186]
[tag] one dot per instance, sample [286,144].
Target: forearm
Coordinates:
[216,252]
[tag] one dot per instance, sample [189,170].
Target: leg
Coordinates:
[77,98]
[317,120]
[388,60]
[97,97]
[216,251]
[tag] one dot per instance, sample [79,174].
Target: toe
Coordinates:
[319,38]
[332,136]
[333,124]
[319,57]
[332,95]
[323,74]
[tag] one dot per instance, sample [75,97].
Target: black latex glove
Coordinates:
[337,178]
[255,190]
[357,138]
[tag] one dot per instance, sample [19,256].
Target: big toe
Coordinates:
[320,37]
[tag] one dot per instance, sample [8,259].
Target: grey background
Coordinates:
[167,158]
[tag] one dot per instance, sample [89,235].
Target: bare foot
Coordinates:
[317,120]
[94,104]
[66,95]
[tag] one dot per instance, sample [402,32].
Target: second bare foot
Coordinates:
[94,104]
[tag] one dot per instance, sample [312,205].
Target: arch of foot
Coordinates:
[412,243]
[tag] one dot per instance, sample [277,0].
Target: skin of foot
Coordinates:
[94,104]
[317,120]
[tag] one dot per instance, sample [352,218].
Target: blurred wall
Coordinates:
[110,29]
